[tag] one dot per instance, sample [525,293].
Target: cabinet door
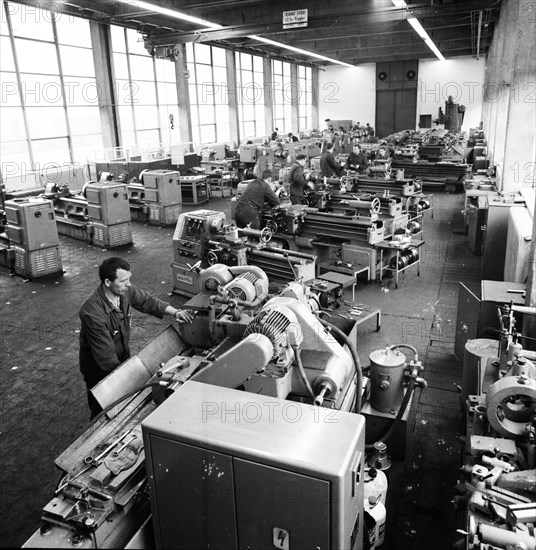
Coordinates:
[495,241]
[280,509]
[467,320]
[192,501]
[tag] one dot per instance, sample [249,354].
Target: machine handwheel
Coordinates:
[272,226]
[266,234]
[375,205]
[212,258]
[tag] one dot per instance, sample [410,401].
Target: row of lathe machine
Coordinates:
[202,239]
[497,487]
[99,214]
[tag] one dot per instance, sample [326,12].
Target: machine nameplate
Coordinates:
[185,279]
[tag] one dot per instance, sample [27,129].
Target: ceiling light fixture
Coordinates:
[207,25]
[172,13]
[414,22]
[298,50]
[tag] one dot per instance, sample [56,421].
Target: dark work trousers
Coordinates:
[295,199]
[245,215]
[94,407]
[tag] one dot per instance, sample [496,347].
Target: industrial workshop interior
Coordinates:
[267,274]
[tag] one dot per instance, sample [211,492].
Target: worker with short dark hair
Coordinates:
[274,135]
[329,167]
[298,182]
[249,205]
[105,319]
[357,160]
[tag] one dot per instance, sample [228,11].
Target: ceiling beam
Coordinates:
[349,33]
[275,33]
[444,46]
[249,21]
[228,13]
[365,26]
[344,32]
[425,54]
[383,41]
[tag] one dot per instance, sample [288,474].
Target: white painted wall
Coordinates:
[347,93]
[462,78]
[350,92]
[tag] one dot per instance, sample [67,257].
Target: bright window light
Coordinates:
[414,22]
[206,24]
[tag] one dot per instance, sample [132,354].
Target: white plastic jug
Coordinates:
[375,484]
[375,507]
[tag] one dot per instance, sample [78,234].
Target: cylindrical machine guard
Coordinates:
[386,379]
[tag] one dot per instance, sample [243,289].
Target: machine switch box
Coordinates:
[31,223]
[229,469]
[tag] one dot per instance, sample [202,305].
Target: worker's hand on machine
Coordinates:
[183,316]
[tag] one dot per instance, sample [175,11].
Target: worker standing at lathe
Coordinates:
[249,205]
[298,181]
[329,167]
[105,319]
[357,160]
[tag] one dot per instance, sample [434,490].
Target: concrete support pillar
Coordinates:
[315,95]
[509,106]
[529,324]
[104,75]
[268,96]
[509,113]
[183,93]
[232,97]
[294,98]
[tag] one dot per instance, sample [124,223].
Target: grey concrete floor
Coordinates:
[42,394]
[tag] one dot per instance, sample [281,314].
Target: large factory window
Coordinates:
[81,89]
[305,97]
[47,79]
[282,94]
[135,89]
[168,105]
[13,138]
[250,95]
[208,89]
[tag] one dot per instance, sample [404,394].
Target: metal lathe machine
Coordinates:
[240,430]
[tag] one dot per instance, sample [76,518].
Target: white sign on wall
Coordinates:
[295,18]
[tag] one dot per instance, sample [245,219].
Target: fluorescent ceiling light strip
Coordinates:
[414,22]
[206,24]
[424,35]
[298,50]
[172,13]
[433,47]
